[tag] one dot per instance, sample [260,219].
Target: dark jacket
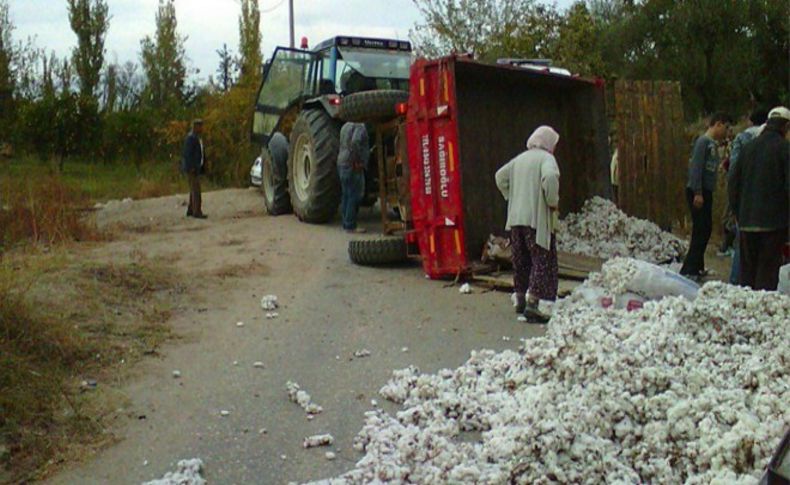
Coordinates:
[354,148]
[758,185]
[192,155]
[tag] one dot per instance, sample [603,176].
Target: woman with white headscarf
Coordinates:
[531,185]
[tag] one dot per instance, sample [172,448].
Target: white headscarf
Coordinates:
[544,138]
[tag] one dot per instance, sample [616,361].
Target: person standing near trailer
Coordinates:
[352,161]
[703,166]
[757,120]
[759,191]
[531,185]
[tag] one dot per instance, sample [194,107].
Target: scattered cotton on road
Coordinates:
[679,391]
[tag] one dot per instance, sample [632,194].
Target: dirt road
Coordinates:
[330,308]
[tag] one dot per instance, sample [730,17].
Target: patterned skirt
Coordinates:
[536,268]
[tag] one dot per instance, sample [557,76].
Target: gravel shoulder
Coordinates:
[329,309]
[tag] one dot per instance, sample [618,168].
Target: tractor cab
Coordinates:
[340,66]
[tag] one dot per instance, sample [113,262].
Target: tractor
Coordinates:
[307,95]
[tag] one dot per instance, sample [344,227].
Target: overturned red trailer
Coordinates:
[465,119]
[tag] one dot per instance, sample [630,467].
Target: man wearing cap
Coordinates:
[192,161]
[759,192]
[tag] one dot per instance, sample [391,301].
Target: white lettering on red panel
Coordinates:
[426,163]
[444,178]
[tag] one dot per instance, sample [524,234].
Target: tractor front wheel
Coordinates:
[312,167]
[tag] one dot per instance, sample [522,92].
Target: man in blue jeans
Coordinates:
[352,162]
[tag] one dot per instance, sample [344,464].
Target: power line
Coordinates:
[267,10]
[272,9]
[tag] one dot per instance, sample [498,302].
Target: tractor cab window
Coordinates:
[366,69]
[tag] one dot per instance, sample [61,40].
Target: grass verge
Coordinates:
[100,182]
[65,322]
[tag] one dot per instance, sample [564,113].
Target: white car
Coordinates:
[255,172]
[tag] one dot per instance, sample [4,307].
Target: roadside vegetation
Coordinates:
[67,316]
[67,322]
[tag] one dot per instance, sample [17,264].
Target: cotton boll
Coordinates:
[318,440]
[188,472]
[302,398]
[269,303]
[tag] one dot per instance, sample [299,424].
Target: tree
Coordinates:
[65,74]
[7,110]
[250,42]
[485,28]
[164,60]
[90,20]
[48,67]
[225,69]
[577,47]
[110,96]
[130,87]
[732,62]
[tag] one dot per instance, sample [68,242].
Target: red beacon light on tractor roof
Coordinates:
[305,44]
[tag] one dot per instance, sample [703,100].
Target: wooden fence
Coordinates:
[652,150]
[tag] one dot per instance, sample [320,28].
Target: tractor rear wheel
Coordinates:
[372,106]
[274,185]
[312,167]
[383,250]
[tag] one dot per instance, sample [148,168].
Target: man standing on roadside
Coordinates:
[703,166]
[759,191]
[192,162]
[352,161]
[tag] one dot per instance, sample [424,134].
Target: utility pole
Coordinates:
[291,21]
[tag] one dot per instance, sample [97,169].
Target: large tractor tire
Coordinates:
[371,106]
[274,185]
[384,250]
[312,167]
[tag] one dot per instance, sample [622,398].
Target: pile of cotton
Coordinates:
[602,230]
[679,391]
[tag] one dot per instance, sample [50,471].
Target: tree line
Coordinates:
[84,105]
[728,55]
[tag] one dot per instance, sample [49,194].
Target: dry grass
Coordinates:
[43,211]
[253,268]
[61,321]
[149,188]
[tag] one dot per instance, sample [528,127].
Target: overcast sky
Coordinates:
[210,23]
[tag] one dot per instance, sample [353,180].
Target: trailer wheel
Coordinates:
[384,250]
[274,185]
[368,106]
[312,167]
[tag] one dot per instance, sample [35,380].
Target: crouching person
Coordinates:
[531,185]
